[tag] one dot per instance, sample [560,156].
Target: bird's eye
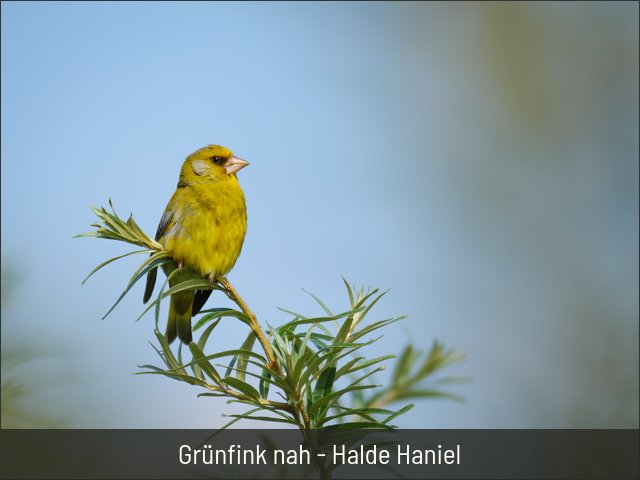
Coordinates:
[218,160]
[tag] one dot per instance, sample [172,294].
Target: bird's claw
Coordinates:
[213,279]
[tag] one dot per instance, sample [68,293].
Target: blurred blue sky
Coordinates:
[479,160]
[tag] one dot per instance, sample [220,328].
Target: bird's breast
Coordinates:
[209,230]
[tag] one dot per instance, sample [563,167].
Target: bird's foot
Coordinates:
[214,279]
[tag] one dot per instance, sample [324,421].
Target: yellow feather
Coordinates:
[204,225]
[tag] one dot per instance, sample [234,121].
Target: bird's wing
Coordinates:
[167,216]
[166,219]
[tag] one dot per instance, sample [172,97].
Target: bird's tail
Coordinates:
[179,322]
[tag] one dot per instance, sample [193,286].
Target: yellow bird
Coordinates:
[203,228]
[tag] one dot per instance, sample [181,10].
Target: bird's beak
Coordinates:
[234,164]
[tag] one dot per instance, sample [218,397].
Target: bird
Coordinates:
[203,229]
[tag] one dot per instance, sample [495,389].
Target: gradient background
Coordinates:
[481,160]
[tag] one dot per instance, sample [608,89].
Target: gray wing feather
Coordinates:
[151,276]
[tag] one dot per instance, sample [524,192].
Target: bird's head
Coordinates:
[213,162]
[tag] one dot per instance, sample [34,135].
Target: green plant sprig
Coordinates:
[310,374]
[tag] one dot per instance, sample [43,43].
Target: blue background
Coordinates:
[481,160]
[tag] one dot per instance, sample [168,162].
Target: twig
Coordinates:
[235,297]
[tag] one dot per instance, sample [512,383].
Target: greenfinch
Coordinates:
[203,229]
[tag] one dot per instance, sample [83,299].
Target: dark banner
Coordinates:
[280,454]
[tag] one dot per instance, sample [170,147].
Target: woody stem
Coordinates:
[253,323]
